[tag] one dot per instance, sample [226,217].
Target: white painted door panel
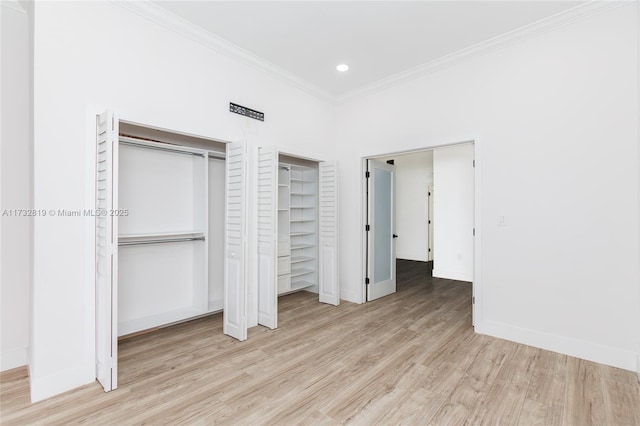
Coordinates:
[106,250]
[382,255]
[235,294]
[267,236]
[329,284]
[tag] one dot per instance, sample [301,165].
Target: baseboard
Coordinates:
[55,384]
[350,296]
[589,351]
[14,358]
[452,275]
[638,368]
[420,257]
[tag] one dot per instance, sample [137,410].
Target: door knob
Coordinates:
[395,236]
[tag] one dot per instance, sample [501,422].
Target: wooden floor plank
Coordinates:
[410,358]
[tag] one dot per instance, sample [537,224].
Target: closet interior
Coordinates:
[297,230]
[170,193]
[297,225]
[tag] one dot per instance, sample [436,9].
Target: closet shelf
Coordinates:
[301,271]
[301,246]
[298,259]
[302,193]
[297,285]
[299,234]
[303,207]
[302,220]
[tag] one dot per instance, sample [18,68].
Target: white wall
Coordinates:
[15,186]
[453,212]
[99,53]
[414,174]
[544,109]
[557,117]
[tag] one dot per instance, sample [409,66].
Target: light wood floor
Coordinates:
[410,358]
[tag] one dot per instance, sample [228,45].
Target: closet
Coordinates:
[297,230]
[170,233]
[163,235]
[297,227]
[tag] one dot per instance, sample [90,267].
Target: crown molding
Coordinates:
[14,4]
[163,17]
[544,25]
[187,29]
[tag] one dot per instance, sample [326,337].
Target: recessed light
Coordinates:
[342,67]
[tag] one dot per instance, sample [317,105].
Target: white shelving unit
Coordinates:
[297,227]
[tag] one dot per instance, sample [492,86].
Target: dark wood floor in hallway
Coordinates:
[408,358]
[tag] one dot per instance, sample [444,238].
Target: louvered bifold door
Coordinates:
[235,290]
[267,237]
[329,283]
[106,250]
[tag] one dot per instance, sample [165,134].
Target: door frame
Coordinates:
[477,317]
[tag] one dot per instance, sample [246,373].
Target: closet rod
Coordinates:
[285,167]
[174,240]
[220,156]
[159,148]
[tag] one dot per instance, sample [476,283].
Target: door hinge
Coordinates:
[474,232]
[367,174]
[366,280]
[367,228]
[473,300]
[474,163]
[429,250]
[429,193]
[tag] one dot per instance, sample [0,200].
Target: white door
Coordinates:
[382,248]
[267,237]
[235,290]
[106,250]
[329,285]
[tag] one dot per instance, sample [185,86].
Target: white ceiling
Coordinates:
[377,39]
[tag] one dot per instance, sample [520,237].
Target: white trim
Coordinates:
[14,358]
[413,256]
[364,217]
[550,23]
[451,275]
[477,313]
[350,296]
[637,327]
[607,355]
[163,17]
[62,381]
[187,29]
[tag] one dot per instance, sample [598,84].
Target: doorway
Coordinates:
[444,221]
[152,262]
